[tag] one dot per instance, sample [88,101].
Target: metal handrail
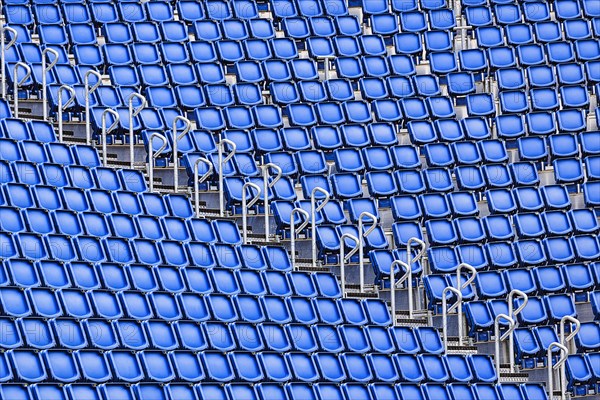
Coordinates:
[222,162]
[393,284]
[3,47]
[176,138]
[470,280]
[499,338]
[362,235]
[410,261]
[564,353]
[105,132]
[565,341]
[45,69]
[198,180]
[18,82]
[268,185]
[513,313]
[445,310]
[511,295]
[293,229]
[152,155]
[246,205]
[346,257]
[88,92]
[314,209]
[62,107]
[134,112]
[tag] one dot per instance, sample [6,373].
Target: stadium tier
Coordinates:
[300,199]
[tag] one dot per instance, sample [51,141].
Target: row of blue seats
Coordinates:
[543,76]
[265,391]
[583,374]
[508,127]
[493,227]
[51,198]
[63,74]
[42,133]
[63,366]
[500,255]
[541,31]
[571,278]
[498,181]
[31,173]
[573,171]
[496,284]
[125,251]
[72,334]
[106,334]
[105,12]
[474,230]
[531,344]
[136,305]
[226,52]
[543,99]
[564,11]
[529,252]
[172,52]
[539,311]
[84,276]
[539,149]
[522,199]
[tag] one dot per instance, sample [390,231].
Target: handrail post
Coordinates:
[410,261]
[246,205]
[198,180]
[3,47]
[222,162]
[456,306]
[62,107]
[152,155]
[88,92]
[567,318]
[499,338]
[407,275]
[18,82]
[45,70]
[176,137]
[134,112]
[105,132]
[293,230]
[513,313]
[268,185]
[564,353]
[362,235]
[314,209]
[565,341]
[346,257]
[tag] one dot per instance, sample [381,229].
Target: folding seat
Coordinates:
[574,97]
[570,74]
[126,366]
[480,105]
[568,171]
[585,246]
[557,223]
[470,230]
[530,252]
[460,83]
[28,366]
[579,373]
[434,205]
[37,334]
[154,204]
[61,365]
